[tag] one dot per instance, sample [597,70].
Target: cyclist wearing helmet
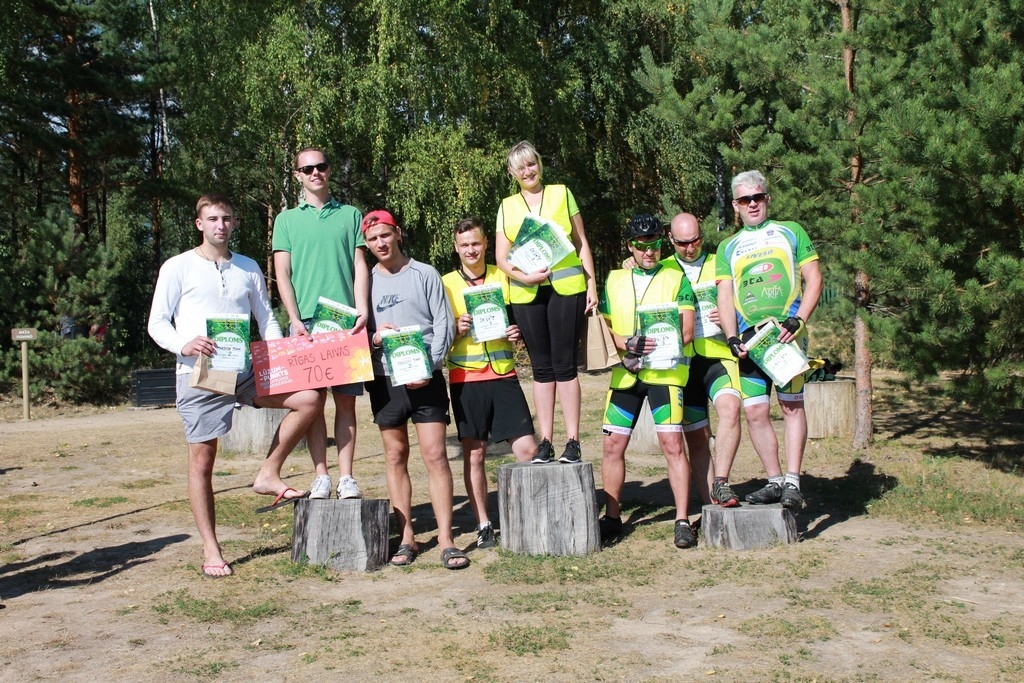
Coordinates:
[649,283]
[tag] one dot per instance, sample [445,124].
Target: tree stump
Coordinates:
[548,509]
[253,429]
[347,535]
[747,526]
[644,439]
[831,408]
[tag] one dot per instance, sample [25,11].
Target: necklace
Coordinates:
[468,277]
[215,262]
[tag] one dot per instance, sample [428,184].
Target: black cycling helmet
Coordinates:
[644,225]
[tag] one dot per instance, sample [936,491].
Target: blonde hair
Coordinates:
[215,200]
[521,154]
[310,149]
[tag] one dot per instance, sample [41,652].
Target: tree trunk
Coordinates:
[747,526]
[345,535]
[271,275]
[548,509]
[76,189]
[157,147]
[863,430]
[862,284]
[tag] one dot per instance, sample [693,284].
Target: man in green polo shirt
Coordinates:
[319,252]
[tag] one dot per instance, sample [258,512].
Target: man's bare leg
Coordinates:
[304,408]
[396,460]
[201,457]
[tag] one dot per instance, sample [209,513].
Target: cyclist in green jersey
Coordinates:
[714,373]
[760,271]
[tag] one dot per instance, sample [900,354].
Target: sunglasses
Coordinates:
[646,246]
[684,243]
[306,170]
[748,199]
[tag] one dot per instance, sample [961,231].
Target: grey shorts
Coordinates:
[208,415]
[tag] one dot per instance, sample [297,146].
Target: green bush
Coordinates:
[62,284]
[70,371]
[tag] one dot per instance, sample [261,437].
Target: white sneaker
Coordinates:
[347,488]
[320,489]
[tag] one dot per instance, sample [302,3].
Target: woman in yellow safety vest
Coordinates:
[548,305]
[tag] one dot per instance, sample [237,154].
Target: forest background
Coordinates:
[892,130]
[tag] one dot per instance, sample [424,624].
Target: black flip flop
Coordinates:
[406,552]
[454,553]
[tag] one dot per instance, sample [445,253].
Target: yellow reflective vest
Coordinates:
[709,347]
[567,276]
[620,296]
[465,353]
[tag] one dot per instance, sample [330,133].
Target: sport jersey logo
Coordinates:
[388,301]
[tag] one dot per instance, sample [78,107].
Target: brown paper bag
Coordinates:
[600,348]
[217,381]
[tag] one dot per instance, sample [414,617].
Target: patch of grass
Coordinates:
[648,471]
[302,570]
[344,632]
[207,669]
[62,450]
[904,589]
[808,629]
[1012,667]
[240,511]
[955,492]
[522,640]
[1014,557]
[144,484]
[351,605]
[223,473]
[541,601]
[17,507]
[541,569]
[99,502]
[491,465]
[206,611]
[715,567]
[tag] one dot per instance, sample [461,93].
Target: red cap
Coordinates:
[377,217]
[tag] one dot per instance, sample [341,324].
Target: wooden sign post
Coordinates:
[24,335]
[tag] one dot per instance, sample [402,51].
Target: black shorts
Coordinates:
[708,378]
[393,406]
[495,408]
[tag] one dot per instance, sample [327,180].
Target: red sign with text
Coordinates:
[292,364]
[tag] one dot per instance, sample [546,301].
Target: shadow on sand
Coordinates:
[68,569]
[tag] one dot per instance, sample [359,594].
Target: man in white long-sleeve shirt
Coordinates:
[204,282]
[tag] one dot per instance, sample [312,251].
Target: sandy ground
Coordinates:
[100,581]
